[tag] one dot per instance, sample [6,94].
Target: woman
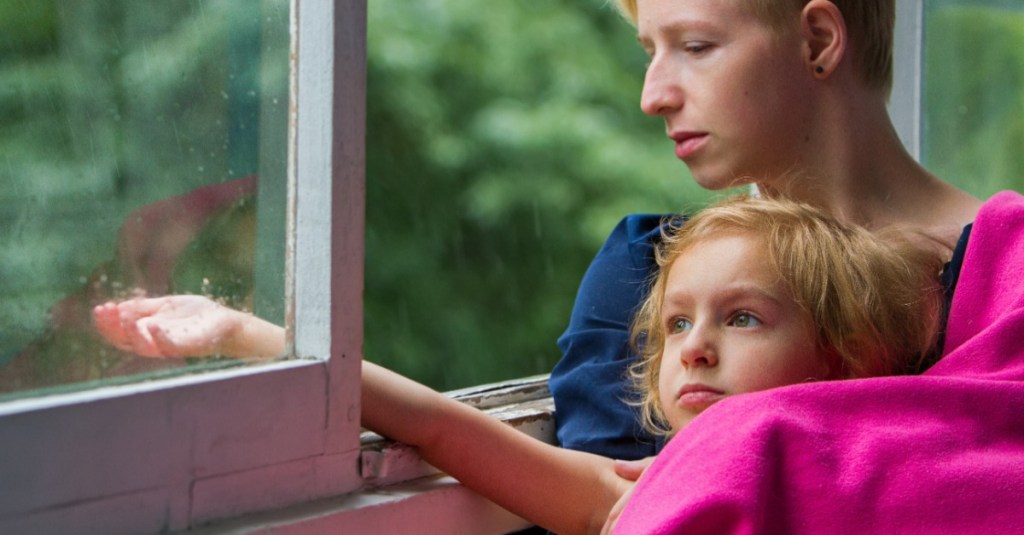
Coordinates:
[789,95]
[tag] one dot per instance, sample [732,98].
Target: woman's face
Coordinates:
[734,92]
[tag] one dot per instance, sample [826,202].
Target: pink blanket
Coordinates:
[938,453]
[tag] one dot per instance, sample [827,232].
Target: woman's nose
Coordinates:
[660,94]
[699,349]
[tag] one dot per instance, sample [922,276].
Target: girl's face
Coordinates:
[734,92]
[731,327]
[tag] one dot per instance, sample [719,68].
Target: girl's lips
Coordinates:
[698,396]
[688,143]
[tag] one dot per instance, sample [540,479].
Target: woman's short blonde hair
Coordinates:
[874,299]
[869,23]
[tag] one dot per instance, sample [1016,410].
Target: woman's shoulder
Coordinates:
[640,228]
[636,235]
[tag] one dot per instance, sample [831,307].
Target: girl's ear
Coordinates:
[833,368]
[825,37]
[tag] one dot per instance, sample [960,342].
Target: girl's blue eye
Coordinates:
[678,325]
[744,320]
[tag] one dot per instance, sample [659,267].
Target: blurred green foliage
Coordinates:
[504,143]
[974,94]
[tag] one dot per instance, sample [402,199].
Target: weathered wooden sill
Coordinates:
[403,494]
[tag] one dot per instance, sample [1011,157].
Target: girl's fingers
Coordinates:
[108,323]
[134,309]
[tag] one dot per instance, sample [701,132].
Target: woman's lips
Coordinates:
[688,143]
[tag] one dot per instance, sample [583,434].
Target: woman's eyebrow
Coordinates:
[677,27]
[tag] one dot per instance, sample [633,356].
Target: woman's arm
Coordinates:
[590,381]
[562,490]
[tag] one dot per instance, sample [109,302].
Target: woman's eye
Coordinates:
[696,47]
[678,325]
[745,320]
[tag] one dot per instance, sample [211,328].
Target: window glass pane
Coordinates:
[134,133]
[974,93]
[504,143]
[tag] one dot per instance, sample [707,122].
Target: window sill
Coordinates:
[403,494]
[525,404]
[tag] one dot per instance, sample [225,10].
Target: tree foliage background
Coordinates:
[974,94]
[504,141]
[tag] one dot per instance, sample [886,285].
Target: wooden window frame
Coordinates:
[175,453]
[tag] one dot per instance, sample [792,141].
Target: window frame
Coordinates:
[905,101]
[175,453]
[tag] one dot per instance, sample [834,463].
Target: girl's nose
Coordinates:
[699,349]
[660,94]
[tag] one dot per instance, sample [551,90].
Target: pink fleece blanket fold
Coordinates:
[942,452]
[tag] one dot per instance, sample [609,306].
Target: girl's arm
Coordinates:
[562,490]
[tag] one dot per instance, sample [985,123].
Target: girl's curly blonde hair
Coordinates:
[874,298]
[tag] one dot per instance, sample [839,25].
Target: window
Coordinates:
[145,153]
[973,125]
[170,453]
[957,100]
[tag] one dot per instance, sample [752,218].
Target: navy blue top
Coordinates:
[590,382]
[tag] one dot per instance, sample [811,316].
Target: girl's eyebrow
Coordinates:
[733,292]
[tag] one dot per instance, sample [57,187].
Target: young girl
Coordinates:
[769,283]
[751,294]
[936,452]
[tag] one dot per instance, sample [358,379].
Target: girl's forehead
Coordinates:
[737,253]
[703,243]
[732,260]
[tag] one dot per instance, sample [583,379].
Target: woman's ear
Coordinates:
[825,37]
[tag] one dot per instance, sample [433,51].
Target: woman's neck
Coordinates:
[860,171]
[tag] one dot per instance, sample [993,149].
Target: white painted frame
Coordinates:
[175,453]
[905,106]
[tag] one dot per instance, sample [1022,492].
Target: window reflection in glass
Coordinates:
[974,93]
[138,136]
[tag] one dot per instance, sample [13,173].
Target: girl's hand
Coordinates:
[179,326]
[632,470]
[629,470]
[613,515]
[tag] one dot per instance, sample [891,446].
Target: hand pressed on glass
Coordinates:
[180,326]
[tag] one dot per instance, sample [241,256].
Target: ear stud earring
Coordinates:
[819,69]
